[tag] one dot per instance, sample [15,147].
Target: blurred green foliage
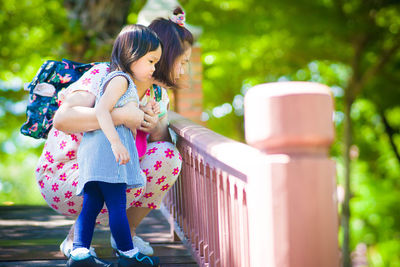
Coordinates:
[244,43]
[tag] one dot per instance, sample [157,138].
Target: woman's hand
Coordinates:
[150,120]
[131,116]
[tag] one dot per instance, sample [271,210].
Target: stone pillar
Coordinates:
[293,219]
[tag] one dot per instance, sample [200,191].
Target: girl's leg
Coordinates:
[84,226]
[115,198]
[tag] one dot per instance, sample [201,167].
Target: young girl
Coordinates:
[108,157]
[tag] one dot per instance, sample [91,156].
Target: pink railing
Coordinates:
[269,204]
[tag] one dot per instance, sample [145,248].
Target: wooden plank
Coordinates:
[30,236]
[59,263]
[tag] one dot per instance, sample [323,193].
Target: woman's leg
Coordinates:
[135,216]
[70,236]
[161,164]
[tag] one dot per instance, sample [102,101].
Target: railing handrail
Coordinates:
[217,147]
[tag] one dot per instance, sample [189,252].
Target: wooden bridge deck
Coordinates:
[31,235]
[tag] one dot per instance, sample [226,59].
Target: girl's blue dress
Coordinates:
[95,157]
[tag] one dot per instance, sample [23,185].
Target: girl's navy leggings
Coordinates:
[94,196]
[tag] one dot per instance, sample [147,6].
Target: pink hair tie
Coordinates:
[179,19]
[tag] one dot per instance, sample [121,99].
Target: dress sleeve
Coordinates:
[89,81]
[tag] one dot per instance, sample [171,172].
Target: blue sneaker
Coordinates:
[88,262]
[139,260]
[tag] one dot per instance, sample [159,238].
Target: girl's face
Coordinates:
[144,67]
[181,63]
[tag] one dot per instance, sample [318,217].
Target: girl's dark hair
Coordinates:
[175,41]
[133,42]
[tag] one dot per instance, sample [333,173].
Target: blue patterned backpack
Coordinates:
[51,78]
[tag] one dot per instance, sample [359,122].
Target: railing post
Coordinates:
[292,203]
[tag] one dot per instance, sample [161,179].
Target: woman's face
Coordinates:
[181,63]
[144,67]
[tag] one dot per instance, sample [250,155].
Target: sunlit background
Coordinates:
[351,46]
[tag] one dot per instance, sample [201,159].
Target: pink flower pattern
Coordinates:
[165,187]
[151,151]
[151,205]
[60,165]
[54,187]
[68,194]
[70,154]
[74,137]
[86,81]
[161,180]
[49,157]
[95,71]
[169,153]
[158,165]
[138,192]
[138,204]
[147,195]
[176,171]
[72,211]
[63,144]
[63,177]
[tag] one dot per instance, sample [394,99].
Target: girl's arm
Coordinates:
[77,114]
[116,87]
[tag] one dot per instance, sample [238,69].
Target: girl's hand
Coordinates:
[150,120]
[155,106]
[120,152]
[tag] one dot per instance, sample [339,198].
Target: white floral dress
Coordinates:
[57,171]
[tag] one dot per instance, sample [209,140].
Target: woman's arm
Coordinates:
[77,114]
[156,127]
[160,132]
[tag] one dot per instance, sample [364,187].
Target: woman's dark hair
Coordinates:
[133,42]
[175,39]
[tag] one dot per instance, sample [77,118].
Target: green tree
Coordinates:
[350,45]
[251,42]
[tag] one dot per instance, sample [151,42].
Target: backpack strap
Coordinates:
[42,74]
